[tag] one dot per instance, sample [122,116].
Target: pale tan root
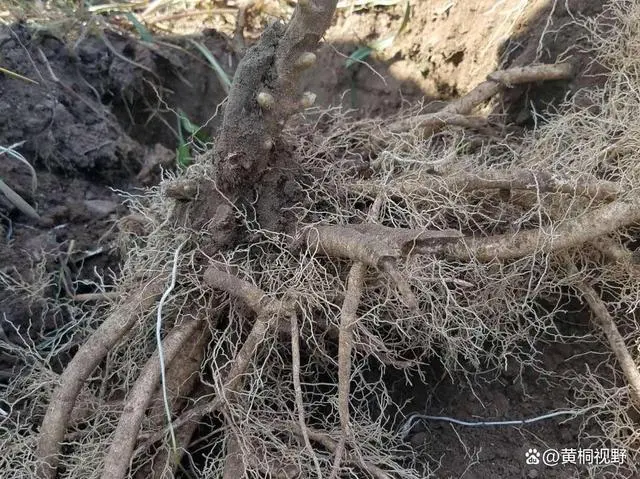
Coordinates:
[431,122]
[573,232]
[606,323]
[238,460]
[118,457]
[532,73]
[251,295]
[182,377]
[295,371]
[515,179]
[614,251]
[81,366]
[234,460]
[375,246]
[266,310]
[331,445]
[348,318]
[164,465]
[95,297]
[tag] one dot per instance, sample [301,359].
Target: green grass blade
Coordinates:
[359,55]
[183,151]
[145,35]
[17,76]
[378,45]
[222,75]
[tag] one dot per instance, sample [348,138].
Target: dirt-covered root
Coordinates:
[116,463]
[345,346]
[92,352]
[348,319]
[292,381]
[571,233]
[514,179]
[375,246]
[497,81]
[607,324]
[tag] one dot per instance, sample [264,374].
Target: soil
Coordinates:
[102,118]
[513,393]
